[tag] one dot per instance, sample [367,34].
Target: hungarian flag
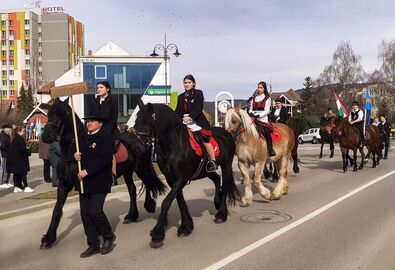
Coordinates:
[340,108]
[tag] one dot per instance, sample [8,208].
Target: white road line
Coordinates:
[238,254]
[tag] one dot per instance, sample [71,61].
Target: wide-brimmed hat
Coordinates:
[355,103]
[94,117]
[6,126]
[278,100]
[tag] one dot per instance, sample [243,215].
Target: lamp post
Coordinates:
[166,48]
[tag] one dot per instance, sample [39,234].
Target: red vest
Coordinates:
[259,106]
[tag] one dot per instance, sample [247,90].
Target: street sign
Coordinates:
[69,90]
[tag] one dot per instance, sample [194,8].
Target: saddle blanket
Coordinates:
[198,148]
[122,153]
[276,135]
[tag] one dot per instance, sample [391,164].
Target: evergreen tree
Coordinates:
[30,99]
[306,95]
[21,106]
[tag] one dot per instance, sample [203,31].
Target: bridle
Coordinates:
[236,133]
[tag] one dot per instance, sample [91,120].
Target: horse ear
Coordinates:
[66,101]
[150,108]
[237,108]
[140,103]
[229,107]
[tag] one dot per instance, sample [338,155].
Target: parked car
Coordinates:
[310,135]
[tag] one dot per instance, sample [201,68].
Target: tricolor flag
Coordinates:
[368,107]
[340,108]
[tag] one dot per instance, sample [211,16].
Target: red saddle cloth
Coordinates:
[198,149]
[275,133]
[122,153]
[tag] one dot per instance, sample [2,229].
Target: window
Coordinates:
[4,62]
[11,53]
[27,62]
[12,92]
[4,72]
[27,22]
[3,43]
[27,42]
[12,82]
[40,74]
[40,45]
[4,82]
[11,22]
[3,53]
[40,64]
[11,32]
[40,35]
[40,54]
[11,62]
[4,92]
[11,72]
[11,42]
[3,33]
[101,72]
[27,32]
[3,23]
[27,52]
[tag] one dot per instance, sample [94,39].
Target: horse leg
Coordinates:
[374,160]
[186,226]
[275,174]
[345,159]
[133,213]
[362,158]
[355,151]
[246,200]
[266,172]
[158,232]
[50,237]
[294,156]
[265,193]
[282,186]
[322,146]
[332,148]
[217,183]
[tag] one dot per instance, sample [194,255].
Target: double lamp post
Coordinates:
[166,48]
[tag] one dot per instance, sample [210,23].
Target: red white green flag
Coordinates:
[340,108]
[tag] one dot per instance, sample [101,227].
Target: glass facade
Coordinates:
[128,81]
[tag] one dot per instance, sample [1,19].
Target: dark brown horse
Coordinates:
[349,140]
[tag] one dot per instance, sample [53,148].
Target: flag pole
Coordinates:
[364,116]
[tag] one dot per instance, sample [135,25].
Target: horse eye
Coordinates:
[233,121]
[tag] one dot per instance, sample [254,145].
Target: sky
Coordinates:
[232,45]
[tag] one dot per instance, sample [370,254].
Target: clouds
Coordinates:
[231,45]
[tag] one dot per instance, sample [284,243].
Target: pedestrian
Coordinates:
[385,132]
[259,110]
[96,177]
[18,160]
[376,121]
[43,153]
[5,138]
[107,108]
[54,157]
[190,109]
[279,113]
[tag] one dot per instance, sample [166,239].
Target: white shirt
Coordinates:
[360,116]
[262,115]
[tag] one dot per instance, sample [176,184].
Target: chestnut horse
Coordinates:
[349,140]
[251,149]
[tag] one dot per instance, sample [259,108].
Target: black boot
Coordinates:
[91,250]
[107,245]
[114,180]
[211,166]
[269,143]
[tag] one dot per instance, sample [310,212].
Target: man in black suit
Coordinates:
[279,113]
[96,163]
[385,132]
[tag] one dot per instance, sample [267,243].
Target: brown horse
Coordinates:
[251,149]
[349,140]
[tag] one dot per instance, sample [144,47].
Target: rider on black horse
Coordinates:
[259,109]
[356,120]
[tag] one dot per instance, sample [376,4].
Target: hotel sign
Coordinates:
[159,90]
[53,10]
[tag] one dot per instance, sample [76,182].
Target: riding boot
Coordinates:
[269,143]
[211,166]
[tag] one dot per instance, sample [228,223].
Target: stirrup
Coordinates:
[211,166]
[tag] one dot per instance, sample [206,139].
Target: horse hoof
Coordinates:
[183,234]
[45,246]
[156,244]
[296,170]
[276,197]
[219,220]
[129,220]
[244,204]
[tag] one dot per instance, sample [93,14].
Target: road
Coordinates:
[332,220]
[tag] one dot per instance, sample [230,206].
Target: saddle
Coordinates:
[275,133]
[198,148]
[121,154]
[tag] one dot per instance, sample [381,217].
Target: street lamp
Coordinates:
[166,48]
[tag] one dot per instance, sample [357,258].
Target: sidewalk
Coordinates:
[13,204]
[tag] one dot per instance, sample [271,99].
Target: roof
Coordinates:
[290,95]
[46,89]
[110,49]
[41,107]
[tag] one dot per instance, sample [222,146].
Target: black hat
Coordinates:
[330,109]
[6,126]
[278,100]
[94,117]
[355,103]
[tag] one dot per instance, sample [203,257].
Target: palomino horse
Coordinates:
[349,140]
[251,149]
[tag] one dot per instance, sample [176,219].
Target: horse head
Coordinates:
[144,126]
[340,126]
[237,121]
[57,115]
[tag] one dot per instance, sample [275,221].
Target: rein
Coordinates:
[236,133]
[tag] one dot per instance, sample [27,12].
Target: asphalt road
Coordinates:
[331,220]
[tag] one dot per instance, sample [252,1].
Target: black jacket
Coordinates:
[385,129]
[108,109]
[4,143]
[283,116]
[18,156]
[96,159]
[54,153]
[195,101]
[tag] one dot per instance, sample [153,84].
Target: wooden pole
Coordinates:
[77,146]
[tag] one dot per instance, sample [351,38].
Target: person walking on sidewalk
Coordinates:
[43,153]
[54,157]
[18,160]
[5,138]
[96,177]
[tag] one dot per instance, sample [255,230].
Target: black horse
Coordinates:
[60,124]
[179,164]
[326,134]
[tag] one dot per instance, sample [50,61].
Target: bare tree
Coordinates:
[387,56]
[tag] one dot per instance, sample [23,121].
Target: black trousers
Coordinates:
[47,170]
[93,218]
[267,134]
[20,180]
[386,144]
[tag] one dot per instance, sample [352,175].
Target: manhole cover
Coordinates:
[269,216]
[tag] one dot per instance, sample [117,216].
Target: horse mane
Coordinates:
[166,118]
[248,124]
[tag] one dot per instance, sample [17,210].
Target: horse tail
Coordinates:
[146,172]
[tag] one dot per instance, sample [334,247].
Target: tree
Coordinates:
[387,56]
[25,104]
[306,95]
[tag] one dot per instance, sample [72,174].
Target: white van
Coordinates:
[310,135]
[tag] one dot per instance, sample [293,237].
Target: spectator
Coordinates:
[5,138]
[54,157]
[43,153]
[18,160]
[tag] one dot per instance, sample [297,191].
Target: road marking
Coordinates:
[238,254]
